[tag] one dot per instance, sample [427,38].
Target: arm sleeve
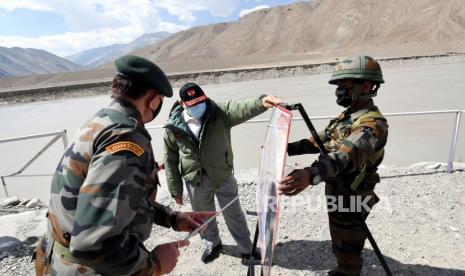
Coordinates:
[305,146]
[107,203]
[239,111]
[163,215]
[352,154]
[173,175]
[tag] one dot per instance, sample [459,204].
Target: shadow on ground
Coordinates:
[317,256]
[231,250]
[416,174]
[11,246]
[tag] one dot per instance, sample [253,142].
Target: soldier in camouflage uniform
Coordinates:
[102,204]
[355,141]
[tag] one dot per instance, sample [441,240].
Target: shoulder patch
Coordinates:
[125,146]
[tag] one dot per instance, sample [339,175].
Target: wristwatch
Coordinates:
[315,176]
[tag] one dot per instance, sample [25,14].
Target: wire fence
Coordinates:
[63,135]
[55,137]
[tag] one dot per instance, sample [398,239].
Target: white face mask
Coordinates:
[197,110]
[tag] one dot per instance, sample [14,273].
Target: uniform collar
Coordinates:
[369,106]
[127,108]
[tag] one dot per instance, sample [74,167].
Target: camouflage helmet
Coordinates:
[358,68]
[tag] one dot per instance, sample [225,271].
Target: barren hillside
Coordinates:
[324,28]
[93,58]
[17,61]
[301,33]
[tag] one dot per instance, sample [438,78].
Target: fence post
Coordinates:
[4,187]
[64,137]
[453,145]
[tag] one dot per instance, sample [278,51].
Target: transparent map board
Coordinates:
[273,159]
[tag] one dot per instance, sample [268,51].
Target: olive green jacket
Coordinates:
[189,159]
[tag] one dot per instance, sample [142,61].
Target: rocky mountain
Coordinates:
[301,33]
[21,62]
[323,28]
[96,57]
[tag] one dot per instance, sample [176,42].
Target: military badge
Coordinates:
[125,146]
[191,92]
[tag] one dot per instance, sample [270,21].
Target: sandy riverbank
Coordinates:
[82,84]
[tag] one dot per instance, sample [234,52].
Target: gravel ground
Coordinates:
[419,226]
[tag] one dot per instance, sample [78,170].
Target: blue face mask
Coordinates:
[197,110]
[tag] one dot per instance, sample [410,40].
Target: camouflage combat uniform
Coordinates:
[350,150]
[355,143]
[102,203]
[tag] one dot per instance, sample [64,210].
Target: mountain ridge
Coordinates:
[300,33]
[95,57]
[16,61]
[323,28]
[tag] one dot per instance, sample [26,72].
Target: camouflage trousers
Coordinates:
[347,235]
[57,264]
[61,266]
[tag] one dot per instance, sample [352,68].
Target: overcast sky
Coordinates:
[65,27]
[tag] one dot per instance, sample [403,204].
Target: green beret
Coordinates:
[145,72]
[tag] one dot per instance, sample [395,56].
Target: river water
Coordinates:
[411,139]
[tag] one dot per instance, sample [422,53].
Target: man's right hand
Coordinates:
[179,200]
[166,256]
[271,101]
[295,182]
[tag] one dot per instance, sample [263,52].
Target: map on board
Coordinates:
[274,152]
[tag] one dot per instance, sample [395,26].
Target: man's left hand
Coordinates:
[271,101]
[189,221]
[294,183]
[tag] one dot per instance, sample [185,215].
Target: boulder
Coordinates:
[35,202]
[11,201]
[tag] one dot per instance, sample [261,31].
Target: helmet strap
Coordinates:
[374,91]
[357,96]
[356,92]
